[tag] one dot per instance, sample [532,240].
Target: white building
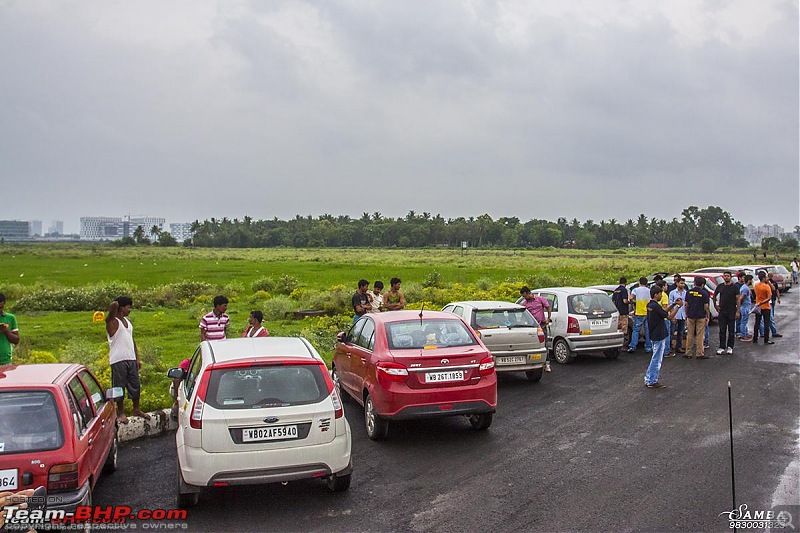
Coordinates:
[36,228]
[146,223]
[181,231]
[56,227]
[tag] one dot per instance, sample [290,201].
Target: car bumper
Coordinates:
[401,402]
[201,468]
[592,343]
[68,501]
[533,359]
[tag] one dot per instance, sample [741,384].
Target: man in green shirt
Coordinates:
[9,333]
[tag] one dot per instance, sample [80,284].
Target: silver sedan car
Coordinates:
[583,320]
[509,331]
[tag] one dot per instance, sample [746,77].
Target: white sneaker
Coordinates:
[720,351]
[729,351]
[547,367]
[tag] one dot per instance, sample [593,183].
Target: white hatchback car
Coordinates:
[258,410]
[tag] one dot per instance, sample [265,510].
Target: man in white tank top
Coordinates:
[123,356]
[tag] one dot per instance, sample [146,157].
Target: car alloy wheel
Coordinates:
[377,428]
[562,352]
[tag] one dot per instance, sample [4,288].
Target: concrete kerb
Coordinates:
[137,427]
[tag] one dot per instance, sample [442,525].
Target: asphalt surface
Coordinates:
[589,448]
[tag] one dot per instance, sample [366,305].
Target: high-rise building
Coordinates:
[36,228]
[181,231]
[56,227]
[101,228]
[146,223]
[15,230]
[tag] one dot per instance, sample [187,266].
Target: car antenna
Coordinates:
[420,312]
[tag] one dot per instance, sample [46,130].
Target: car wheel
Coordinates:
[111,459]
[186,499]
[534,375]
[562,353]
[338,483]
[87,526]
[481,421]
[335,378]
[377,427]
[613,353]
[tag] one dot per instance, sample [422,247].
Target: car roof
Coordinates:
[488,304]
[37,374]
[400,316]
[261,347]
[570,290]
[603,287]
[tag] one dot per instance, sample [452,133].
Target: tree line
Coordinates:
[711,227]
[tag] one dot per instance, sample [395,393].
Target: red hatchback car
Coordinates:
[57,430]
[409,364]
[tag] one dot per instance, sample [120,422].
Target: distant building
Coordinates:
[101,228]
[15,230]
[56,227]
[36,228]
[146,223]
[755,234]
[181,231]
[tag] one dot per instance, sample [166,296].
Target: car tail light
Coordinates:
[540,332]
[391,372]
[337,401]
[486,366]
[478,333]
[63,477]
[573,326]
[196,419]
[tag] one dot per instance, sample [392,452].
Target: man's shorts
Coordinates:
[125,374]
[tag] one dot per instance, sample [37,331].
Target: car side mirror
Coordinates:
[341,336]
[114,393]
[175,373]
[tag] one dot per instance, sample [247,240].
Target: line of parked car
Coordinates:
[262,410]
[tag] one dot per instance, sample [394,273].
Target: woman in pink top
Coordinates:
[255,329]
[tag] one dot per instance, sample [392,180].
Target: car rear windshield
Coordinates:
[266,386]
[428,333]
[29,422]
[503,318]
[590,304]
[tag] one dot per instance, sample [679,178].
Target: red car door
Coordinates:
[90,446]
[343,358]
[362,357]
[105,414]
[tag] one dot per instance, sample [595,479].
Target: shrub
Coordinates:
[277,307]
[266,284]
[433,279]
[321,332]
[286,284]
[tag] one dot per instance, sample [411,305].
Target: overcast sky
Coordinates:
[593,109]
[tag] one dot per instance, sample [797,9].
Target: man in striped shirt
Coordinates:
[214,325]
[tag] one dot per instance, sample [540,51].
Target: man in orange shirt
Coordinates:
[763,297]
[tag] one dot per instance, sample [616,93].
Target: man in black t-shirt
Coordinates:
[621,302]
[360,300]
[726,302]
[696,317]
[657,318]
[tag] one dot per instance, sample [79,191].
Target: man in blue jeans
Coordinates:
[657,318]
[641,296]
[745,305]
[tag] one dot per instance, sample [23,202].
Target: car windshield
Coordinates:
[29,422]
[503,318]
[590,304]
[782,270]
[266,386]
[428,333]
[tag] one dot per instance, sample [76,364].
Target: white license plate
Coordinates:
[513,360]
[598,323]
[439,377]
[8,479]
[270,433]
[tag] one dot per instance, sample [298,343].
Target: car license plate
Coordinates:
[514,360]
[536,356]
[439,377]
[598,323]
[8,479]
[270,433]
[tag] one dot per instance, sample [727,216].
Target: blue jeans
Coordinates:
[638,321]
[668,346]
[680,327]
[655,362]
[745,312]
[705,339]
[772,326]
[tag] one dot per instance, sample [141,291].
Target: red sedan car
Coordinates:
[411,364]
[57,430]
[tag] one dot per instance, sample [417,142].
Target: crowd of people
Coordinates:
[662,314]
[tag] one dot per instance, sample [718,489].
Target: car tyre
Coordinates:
[377,427]
[111,459]
[335,379]
[561,352]
[481,421]
[338,483]
[186,499]
[534,375]
[611,353]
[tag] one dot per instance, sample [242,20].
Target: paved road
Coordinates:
[587,449]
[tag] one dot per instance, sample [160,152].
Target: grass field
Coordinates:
[168,334]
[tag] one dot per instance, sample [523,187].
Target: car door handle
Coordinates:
[363,359]
[348,354]
[90,443]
